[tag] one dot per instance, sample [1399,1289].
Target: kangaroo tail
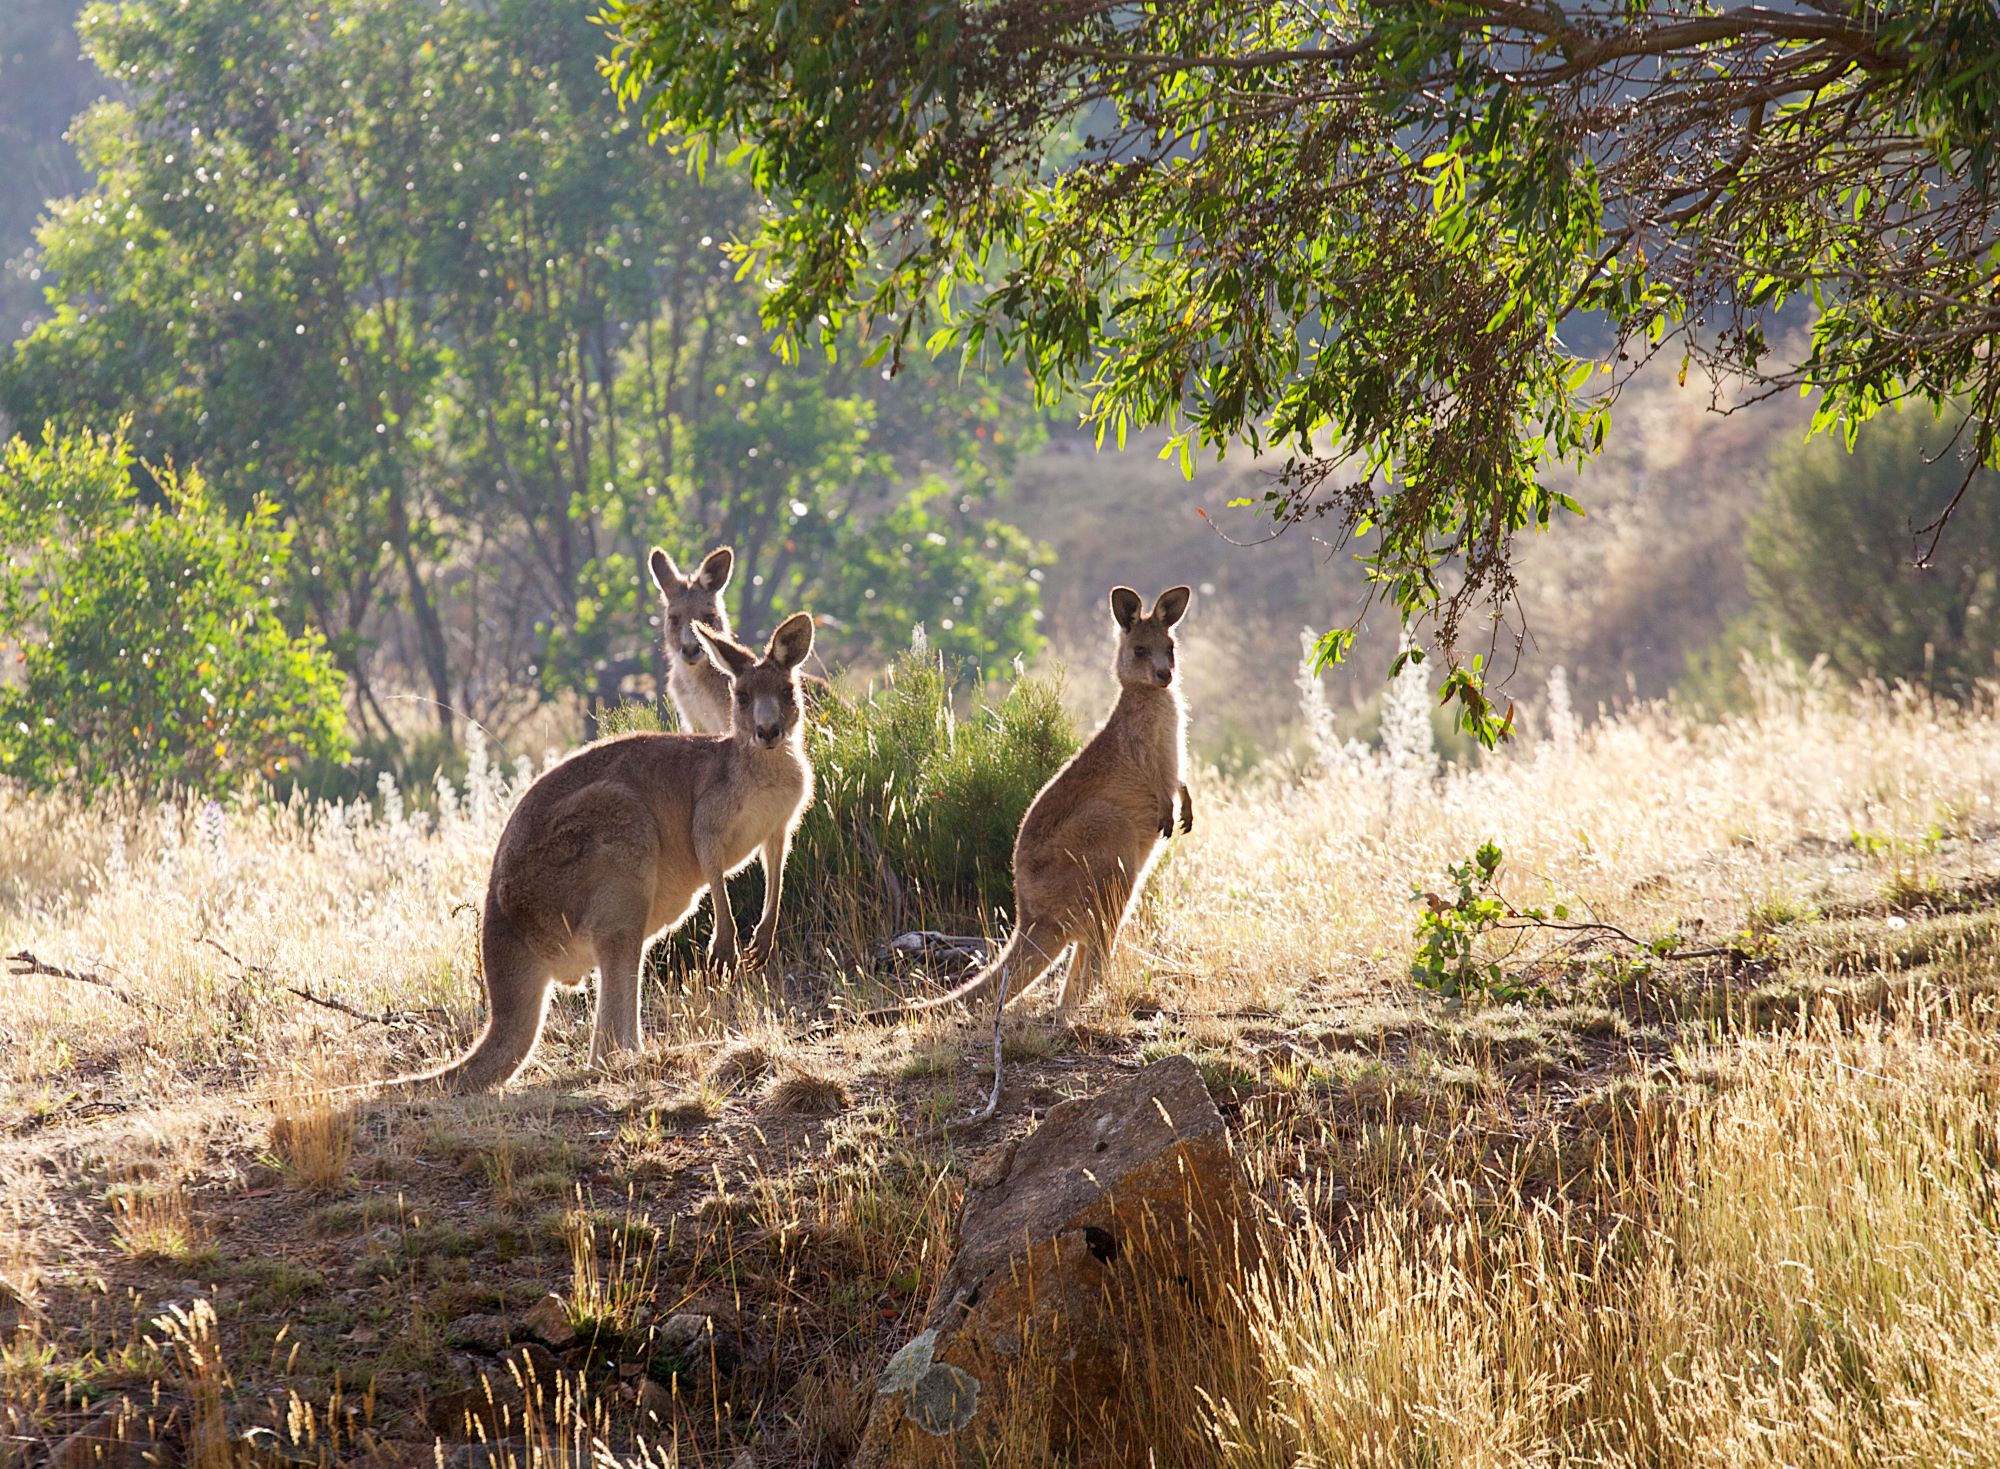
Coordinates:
[517,997]
[1024,958]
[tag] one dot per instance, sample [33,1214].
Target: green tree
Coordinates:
[149,648]
[1368,233]
[405,268]
[1832,553]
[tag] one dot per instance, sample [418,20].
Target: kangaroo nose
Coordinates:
[769,733]
[1163,675]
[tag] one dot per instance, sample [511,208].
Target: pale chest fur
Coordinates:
[764,797]
[700,695]
[1150,741]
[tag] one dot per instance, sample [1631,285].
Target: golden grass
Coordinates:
[312,1135]
[1807,1278]
[1759,1231]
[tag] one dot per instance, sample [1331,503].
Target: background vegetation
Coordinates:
[407,272]
[471,442]
[1620,1096]
[153,650]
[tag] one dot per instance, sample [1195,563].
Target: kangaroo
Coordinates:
[1092,832]
[699,688]
[615,845]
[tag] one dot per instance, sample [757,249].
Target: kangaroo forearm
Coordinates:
[725,919]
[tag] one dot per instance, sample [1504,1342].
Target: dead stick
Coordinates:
[230,955]
[25,964]
[389,1018]
[985,1114]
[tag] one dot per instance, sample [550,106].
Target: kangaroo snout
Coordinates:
[1162,676]
[768,735]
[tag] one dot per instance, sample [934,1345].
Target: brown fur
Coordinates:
[1093,831]
[698,689]
[615,846]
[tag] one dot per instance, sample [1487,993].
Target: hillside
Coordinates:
[1620,599]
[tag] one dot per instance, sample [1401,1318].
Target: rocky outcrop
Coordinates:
[1114,1200]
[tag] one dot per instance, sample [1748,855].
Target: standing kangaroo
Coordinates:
[615,845]
[699,689]
[1094,829]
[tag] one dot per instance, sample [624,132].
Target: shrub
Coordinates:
[1833,550]
[915,807]
[147,642]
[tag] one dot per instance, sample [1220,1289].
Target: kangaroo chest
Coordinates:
[759,808]
[702,701]
[1151,750]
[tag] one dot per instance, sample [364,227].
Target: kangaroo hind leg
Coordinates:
[620,952]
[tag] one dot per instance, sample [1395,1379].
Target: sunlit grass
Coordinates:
[1663,1215]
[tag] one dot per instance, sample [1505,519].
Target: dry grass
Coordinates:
[1667,1214]
[313,1137]
[1807,1277]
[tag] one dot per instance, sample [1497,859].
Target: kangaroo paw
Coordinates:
[1187,811]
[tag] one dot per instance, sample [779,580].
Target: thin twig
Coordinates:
[1613,929]
[985,1114]
[24,963]
[392,1019]
[1528,925]
[228,954]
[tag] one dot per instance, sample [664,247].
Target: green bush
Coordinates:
[145,642]
[1832,553]
[913,820]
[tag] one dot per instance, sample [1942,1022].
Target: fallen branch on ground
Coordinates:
[392,1019]
[25,963]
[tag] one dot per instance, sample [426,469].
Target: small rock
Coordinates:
[481,1333]
[548,1322]
[655,1405]
[263,1447]
[701,1349]
[486,1412]
[117,1436]
[262,1175]
[534,1366]
[394,1454]
[506,1453]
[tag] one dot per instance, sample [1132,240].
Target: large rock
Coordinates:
[1116,1200]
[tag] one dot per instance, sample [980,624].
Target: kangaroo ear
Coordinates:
[792,641]
[1125,606]
[666,576]
[730,657]
[1172,606]
[715,567]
